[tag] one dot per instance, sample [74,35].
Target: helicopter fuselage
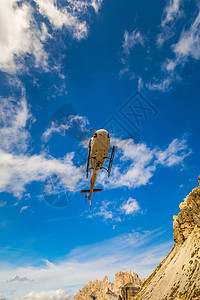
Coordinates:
[98,153]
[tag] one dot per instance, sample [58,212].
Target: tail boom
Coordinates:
[87,191]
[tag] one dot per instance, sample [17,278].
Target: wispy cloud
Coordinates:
[174,154]
[113,212]
[104,212]
[20,36]
[23,35]
[20,279]
[130,207]
[161,85]
[108,211]
[64,16]
[187,46]
[14,119]
[23,208]
[131,40]
[171,12]
[73,123]
[20,170]
[180,29]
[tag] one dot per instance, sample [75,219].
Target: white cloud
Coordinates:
[138,163]
[107,214]
[138,251]
[131,40]
[113,211]
[46,295]
[108,211]
[189,42]
[19,36]
[61,17]
[130,207]
[23,35]
[188,46]
[124,70]
[23,208]
[69,123]
[54,128]
[162,85]
[171,11]
[174,154]
[14,118]
[68,15]
[17,171]
[176,21]
[96,4]
[165,35]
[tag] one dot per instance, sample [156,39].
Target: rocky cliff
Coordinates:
[122,278]
[105,290]
[178,275]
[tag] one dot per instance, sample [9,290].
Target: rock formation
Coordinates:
[94,290]
[188,217]
[122,278]
[178,275]
[128,291]
[105,290]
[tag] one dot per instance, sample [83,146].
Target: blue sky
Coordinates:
[131,67]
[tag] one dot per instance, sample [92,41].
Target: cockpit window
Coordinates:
[108,135]
[95,135]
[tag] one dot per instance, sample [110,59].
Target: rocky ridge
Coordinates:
[105,290]
[178,275]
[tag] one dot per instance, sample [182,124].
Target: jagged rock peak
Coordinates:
[122,278]
[188,217]
[103,289]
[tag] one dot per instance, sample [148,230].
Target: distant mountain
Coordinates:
[178,275]
[105,290]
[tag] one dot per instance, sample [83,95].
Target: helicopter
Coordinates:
[98,150]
